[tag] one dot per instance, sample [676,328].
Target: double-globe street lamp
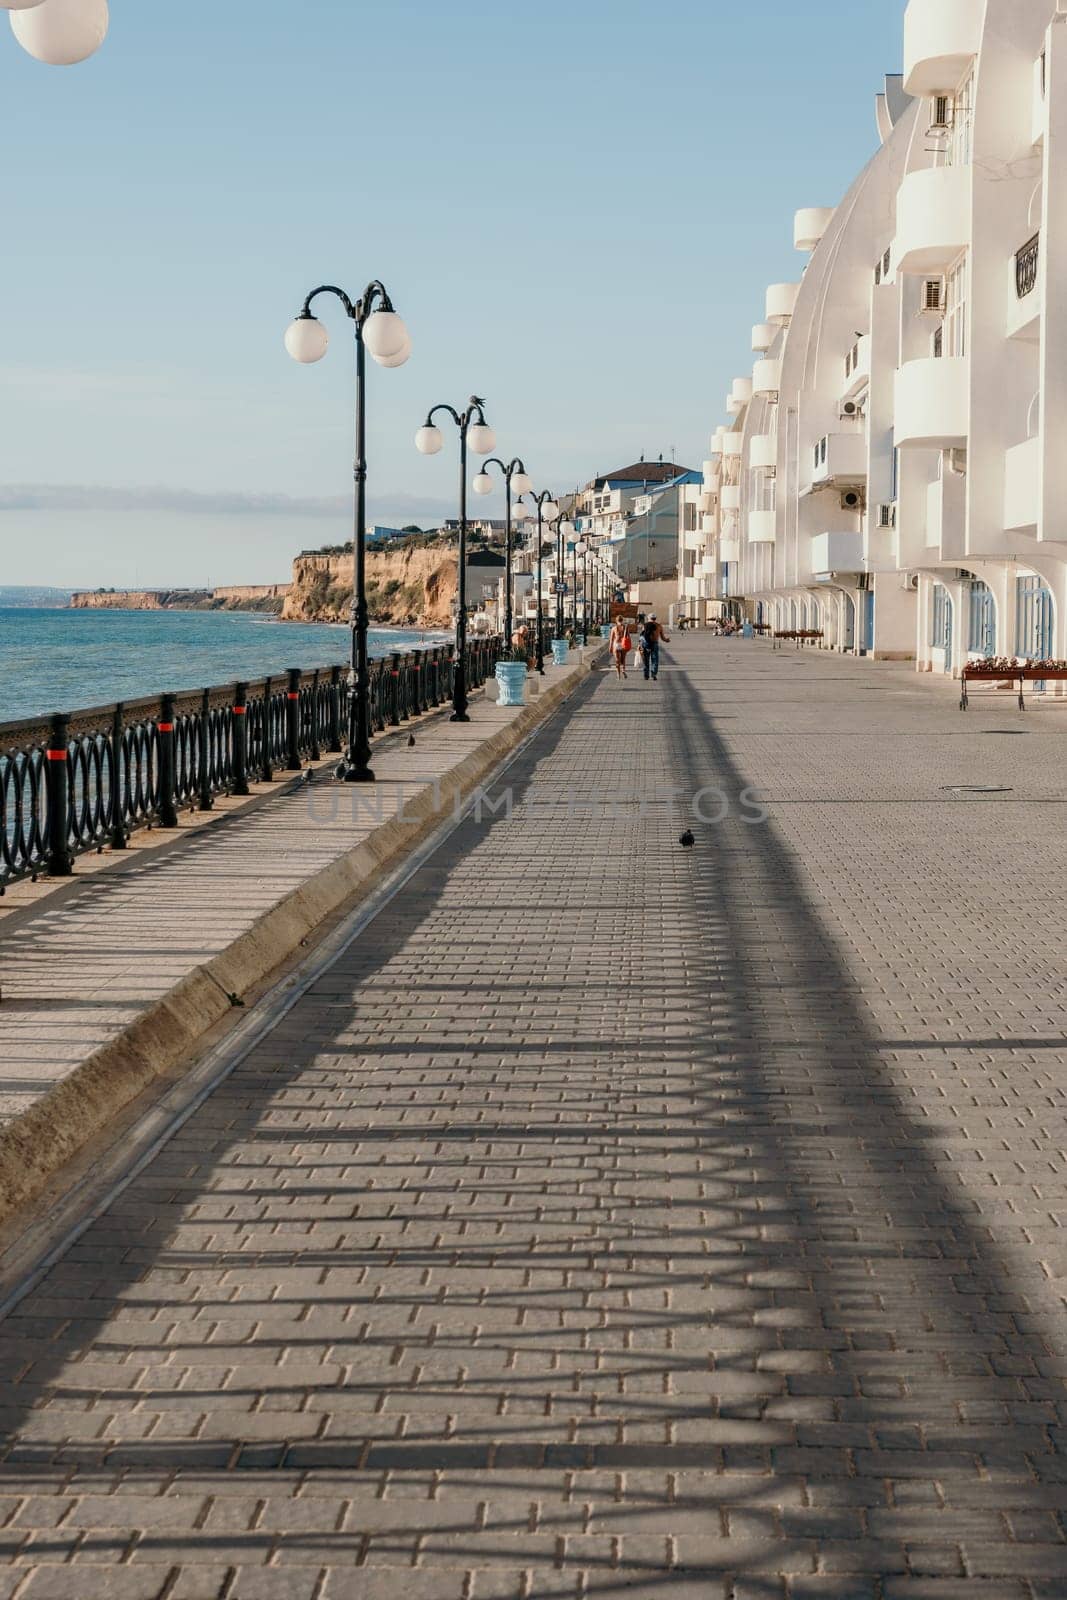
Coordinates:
[476,433]
[378,330]
[58,32]
[547,512]
[516,481]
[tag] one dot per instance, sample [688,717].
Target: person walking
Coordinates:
[652,637]
[620,644]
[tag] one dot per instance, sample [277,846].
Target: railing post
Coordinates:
[206,800]
[116,818]
[292,721]
[334,735]
[314,753]
[266,766]
[394,684]
[57,779]
[239,781]
[168,814]
[435,675]
[418,703]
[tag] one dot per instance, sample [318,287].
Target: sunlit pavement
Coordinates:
[614,1217]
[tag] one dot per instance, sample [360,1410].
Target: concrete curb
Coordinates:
[35,1146]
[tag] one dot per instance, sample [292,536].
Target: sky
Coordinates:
[576,207]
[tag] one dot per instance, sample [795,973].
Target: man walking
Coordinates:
[652,636]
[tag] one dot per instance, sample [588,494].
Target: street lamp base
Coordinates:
[349,772]
[459,716]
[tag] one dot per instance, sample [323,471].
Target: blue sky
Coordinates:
[576,206]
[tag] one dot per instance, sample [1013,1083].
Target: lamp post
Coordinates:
[517,480]
[475,431]
[379,330]
[547,510]
[582,549]
[58,32]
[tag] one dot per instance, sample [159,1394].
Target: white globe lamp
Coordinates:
[521,483]
[384,334]
[306,339]
[549,511]
[429,440]
[483,484]
[60,32]
[482,439]
[398,359]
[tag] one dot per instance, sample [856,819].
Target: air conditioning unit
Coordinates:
[909,580]
[942,118]
[851,411]
[852,500]
[933,295]
[887,515]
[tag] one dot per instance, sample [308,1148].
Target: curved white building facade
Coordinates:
[893,475]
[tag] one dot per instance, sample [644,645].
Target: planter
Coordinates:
[605,630]
[560,652]
[511,676]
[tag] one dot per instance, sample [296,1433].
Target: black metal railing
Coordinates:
[83,780]
[1026,261]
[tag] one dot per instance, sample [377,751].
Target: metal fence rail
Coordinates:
[83,780]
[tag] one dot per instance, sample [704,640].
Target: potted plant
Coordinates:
[511,676]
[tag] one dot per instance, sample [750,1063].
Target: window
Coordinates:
[958,153]
[690,517]
[954,327]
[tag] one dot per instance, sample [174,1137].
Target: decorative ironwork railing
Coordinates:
[83,780]
[1026,261]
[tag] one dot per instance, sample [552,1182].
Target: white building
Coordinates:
[893,474]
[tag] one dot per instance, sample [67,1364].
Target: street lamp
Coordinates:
[582,549]
[516,479]
[547,511]
[475,431]
[379,330]
[58,32]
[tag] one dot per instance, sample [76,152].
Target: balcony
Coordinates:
[1022,486]
[731,445]
[707,524]
[836,552]
[761,527]
[729,549]
[763,336]
[730,497]
[740,394]
[857,368]
[809,226]
[931,409]
[941,38]
[1026,282]
[711,476]
[766,379]
[781,303]
[708,500]
[839,458]
[933,218]
[763,452]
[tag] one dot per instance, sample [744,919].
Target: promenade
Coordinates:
[614,1218]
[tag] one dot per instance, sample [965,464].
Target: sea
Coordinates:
[68,660]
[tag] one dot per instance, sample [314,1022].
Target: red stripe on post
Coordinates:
[294,694]
[165,727]
[56,755]
[240,711]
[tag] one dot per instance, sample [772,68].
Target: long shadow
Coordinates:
[666,1255]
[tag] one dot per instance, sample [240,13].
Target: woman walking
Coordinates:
[620,644]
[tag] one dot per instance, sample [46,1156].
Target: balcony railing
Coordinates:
[1026,261]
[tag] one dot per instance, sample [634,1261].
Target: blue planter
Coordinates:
[560,652]
[511,676]
[605,630]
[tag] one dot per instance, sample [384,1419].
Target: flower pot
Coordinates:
[511,676]
[605,630]
[560,651]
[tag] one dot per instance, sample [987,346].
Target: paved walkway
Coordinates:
[614,1218]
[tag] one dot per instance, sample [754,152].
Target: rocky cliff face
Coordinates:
[404,587]
[138,599]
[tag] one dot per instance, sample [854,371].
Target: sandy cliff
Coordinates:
[138,599]
[404,587]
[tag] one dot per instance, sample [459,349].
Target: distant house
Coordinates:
[639,512]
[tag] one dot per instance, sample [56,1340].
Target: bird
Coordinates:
[411,740]
[686,840]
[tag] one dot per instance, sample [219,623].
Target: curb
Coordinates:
[35,1146]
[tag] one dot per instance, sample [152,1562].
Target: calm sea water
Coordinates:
[63,660]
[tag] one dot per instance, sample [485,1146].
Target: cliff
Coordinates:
[404,587]
[138,599]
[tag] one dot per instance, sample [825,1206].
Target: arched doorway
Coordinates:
[941,625]
[848,614]
[1034,619]
[982,630]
